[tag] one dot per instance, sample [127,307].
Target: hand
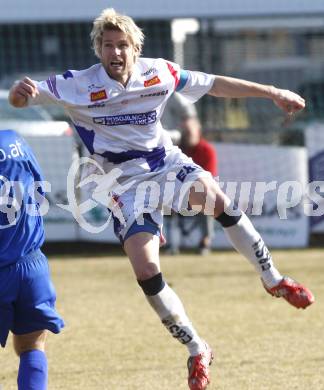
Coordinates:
[21,90]
[288,101]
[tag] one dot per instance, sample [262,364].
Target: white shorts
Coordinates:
[138,197]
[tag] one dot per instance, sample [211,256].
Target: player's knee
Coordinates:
[146,271]
[153,285]
[29,342]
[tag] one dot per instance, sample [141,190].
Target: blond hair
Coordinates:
[109,19]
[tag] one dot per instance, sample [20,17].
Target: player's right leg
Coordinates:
[143,251]
[33,372]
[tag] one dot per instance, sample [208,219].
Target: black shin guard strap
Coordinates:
[153,285]
[228,220]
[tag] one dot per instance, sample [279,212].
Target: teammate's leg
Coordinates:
[32,373]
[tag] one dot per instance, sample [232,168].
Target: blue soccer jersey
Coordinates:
[21,226]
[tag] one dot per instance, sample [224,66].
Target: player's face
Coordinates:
[118,55]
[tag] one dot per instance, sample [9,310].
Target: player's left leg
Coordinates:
[33,372]
[247,241]
[143,252]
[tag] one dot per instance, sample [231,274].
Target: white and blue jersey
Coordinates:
[21,227]
[111,118]
[120,126]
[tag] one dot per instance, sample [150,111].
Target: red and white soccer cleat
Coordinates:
[198,368]
[293,292]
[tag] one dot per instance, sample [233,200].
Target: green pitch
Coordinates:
[114,341]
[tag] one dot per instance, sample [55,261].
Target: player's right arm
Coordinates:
[56,89]
[21,91]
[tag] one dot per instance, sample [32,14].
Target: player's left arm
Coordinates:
[230,87]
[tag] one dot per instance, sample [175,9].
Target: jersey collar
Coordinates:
[104,76]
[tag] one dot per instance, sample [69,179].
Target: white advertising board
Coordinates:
[54,154]
[315,147]
[284,170]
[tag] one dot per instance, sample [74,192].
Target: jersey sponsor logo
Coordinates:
[14,152]
[93,87]
[153,94]
[141,119]
[99,95]
[155,80]
[149,71]
[95,105]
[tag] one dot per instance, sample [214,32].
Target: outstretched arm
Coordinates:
[230,87]
[21,90]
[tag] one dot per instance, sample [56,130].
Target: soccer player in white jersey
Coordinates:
[116,107]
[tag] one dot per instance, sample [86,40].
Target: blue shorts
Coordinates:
[27,297]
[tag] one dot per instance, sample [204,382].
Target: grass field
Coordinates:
[114,341]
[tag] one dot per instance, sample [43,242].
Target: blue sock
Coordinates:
[32,374]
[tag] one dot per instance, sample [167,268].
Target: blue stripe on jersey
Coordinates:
[183,79]
[154,158]
[20,231]
[87,137]
[67,74]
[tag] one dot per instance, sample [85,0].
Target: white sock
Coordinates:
[171,311]
[247,241]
